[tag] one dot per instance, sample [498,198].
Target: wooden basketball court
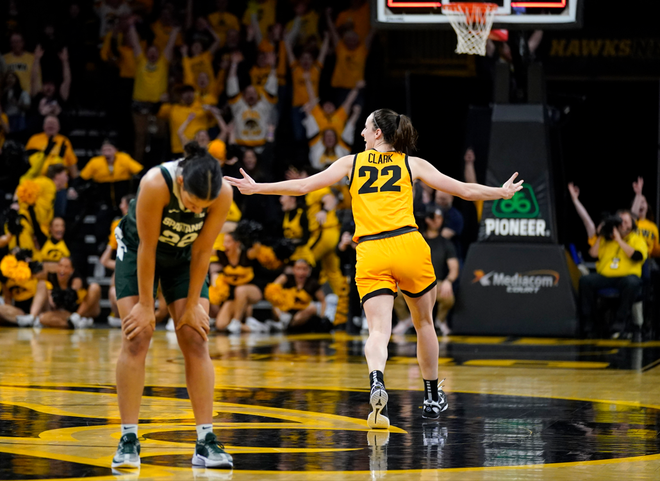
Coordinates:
[295,408]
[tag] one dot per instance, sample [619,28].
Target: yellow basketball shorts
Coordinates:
[403,260]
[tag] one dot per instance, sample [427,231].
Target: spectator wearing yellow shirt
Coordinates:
[201,62]
[216,147]
[113,172]
[299,68]
[264,11]
[308,25]
[357,17]
[620,255]
[351,55]
[330,132]
[61,153]
[177,114]
[54,247]
[222,21]
[645,219]
[21,63]
[165,27]
[151,76]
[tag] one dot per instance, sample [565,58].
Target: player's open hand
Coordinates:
[141,318]
[197,318]
[246,185]
[510,187]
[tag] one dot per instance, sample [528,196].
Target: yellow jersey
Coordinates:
[649,231]
[53,251]
[314,202]
[150,79]
[381,189]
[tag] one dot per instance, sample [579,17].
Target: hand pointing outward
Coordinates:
[246,185]
[509,188]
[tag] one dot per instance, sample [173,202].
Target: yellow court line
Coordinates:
[539,363]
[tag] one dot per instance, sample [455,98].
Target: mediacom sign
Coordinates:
[518,283]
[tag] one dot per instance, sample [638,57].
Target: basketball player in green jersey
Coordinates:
[168,235]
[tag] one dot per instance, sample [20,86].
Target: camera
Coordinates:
[610,223]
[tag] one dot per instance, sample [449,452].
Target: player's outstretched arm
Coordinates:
[328,177]
[424,171]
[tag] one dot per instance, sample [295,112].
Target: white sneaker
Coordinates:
[77,321]
[88,322]
[170,325]
[114,321]
[274,325]
[255,326]
[26,320]
[402,326]
[331,301]
[443,327]
[285,319]
[235,326]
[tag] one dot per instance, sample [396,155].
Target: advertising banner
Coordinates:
[517,290]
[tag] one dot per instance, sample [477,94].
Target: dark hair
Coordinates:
[632,217]
[54,169]
[14,92]
[187,89]
[128,198]
[397,129]
[202,176]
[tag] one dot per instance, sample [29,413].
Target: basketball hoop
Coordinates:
[472,23]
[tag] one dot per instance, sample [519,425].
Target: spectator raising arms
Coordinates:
[646,226]
[222,21]
[150,83]
[252,109]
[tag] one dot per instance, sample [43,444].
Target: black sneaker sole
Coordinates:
[376,419]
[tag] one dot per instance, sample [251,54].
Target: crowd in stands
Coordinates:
[276,88]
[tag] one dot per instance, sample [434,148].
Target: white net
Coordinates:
[472,23]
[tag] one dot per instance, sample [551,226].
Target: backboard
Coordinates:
[511,14]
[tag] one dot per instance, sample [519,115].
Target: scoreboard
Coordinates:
[510,13]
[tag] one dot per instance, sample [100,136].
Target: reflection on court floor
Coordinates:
[295,408]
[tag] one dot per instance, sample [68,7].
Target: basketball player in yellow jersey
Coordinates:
[391,252]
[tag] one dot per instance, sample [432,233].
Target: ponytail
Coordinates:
[397,129]
[202,176]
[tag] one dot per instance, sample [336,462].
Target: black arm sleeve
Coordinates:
[38,233]
[637,256]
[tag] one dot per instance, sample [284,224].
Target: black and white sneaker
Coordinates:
[378,418]
[128,452]
[211,454]
[432,409]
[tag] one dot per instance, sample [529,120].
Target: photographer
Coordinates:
[620,251]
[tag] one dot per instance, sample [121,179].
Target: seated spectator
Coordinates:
[72,302]
[351,53]
[62,150]
[236,275]
[445,264]
[620,255]
[15,102]
[357,18]
[216,147]
[298,301]
[25,296]
[113,172]
[300,69]
[60,177]
[151,77]
[295,227]
[54,248]
[222,21]
[325,125]
[186,111]
[22,63]
[646,226]
[253,108]
[453,224]
[51,100]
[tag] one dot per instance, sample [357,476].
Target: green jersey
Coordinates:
[179,227]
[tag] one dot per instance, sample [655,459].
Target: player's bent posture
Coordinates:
[168,235]
[390,250]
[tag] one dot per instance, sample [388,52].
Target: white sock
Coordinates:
[129,428]
[203,430]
